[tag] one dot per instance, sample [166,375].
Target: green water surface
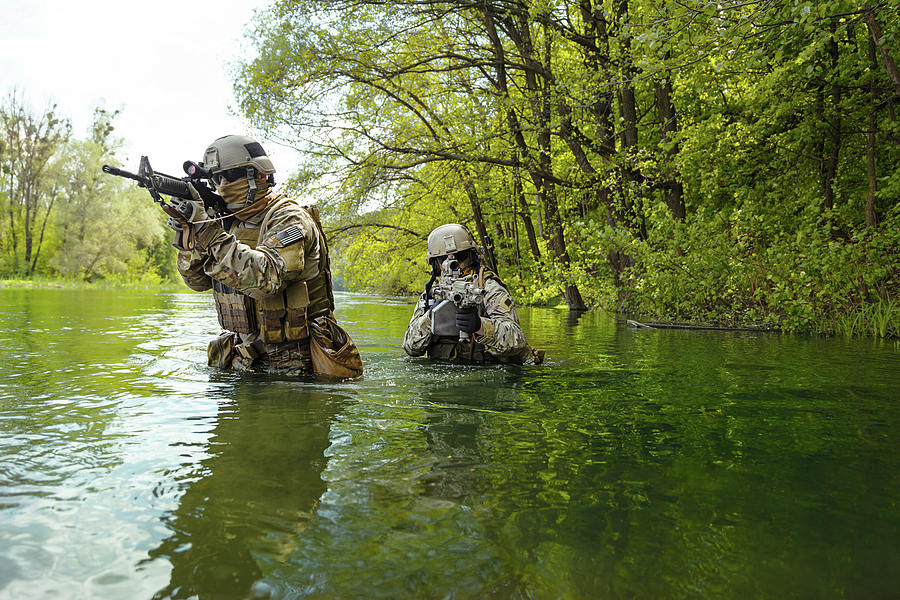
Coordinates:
[633,464]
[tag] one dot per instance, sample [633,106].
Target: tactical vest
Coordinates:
[447,348]
[282,316]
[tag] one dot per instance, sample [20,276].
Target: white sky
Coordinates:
[163,62]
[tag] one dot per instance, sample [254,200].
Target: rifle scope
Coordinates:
[196,170]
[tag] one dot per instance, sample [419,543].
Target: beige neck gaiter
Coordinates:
[235,197]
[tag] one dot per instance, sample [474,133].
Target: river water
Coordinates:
[632,464]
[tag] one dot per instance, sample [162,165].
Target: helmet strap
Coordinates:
[430,283]
[251,178]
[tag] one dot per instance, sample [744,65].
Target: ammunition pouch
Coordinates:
[236,311]
[285,316]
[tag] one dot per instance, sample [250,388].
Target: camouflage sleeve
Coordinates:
[502,335]
[288,251]
[418,335]
[192,267]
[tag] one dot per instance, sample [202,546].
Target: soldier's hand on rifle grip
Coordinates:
[188,211]
[467,319]
[183,218]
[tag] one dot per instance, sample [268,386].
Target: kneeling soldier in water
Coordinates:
[486,331]
[268,269]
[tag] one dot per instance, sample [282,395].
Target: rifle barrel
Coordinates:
[122,173]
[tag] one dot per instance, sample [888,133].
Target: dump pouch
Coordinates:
[220,351]
[334,354]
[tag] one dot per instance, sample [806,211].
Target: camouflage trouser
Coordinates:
[475,353]
[290,358]
[456,351]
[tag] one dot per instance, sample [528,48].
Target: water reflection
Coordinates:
[573,317]
[245,506]
[402,515]
[459,431]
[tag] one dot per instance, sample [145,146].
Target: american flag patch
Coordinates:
[288,236]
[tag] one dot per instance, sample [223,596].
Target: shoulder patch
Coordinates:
[508,303]
[285,237]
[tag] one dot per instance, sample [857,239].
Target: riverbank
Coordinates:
[72,283]
[880,319]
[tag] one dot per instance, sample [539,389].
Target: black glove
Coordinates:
[467,319]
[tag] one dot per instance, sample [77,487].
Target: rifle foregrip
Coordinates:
[171,187]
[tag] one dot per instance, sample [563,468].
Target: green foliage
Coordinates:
[699,162]
[90,226]
[749,268]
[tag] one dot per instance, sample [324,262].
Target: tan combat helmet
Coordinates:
[449,239]
[231,151]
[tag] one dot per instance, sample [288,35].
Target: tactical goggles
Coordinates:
[229,175]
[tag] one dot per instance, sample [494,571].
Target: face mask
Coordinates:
[235,194]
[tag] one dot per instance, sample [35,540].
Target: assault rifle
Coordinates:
[159,184]
[453,292]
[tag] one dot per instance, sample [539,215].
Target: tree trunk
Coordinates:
[14,245]
[29,217]
[472,194]
[632,205]
[540,102]
[674,190]
[552,213]
[871,220]
[40,243]
[889,65]
[834,151]
[598,61]
[525,213]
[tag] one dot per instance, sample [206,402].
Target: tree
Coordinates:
[105,224]
[30,143]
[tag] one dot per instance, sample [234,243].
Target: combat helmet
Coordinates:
[233,151]
[451,238]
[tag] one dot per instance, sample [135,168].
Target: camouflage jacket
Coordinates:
[501,339]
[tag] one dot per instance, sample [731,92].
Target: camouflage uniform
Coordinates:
[502,339]
[267,278]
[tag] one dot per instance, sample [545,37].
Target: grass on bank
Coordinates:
[880,319]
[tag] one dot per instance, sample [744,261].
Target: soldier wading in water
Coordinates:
[268,270]
[486,331]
